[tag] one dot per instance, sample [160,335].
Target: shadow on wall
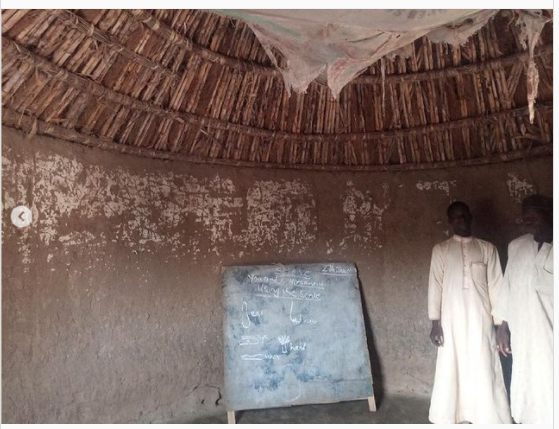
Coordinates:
[376,369]
[488,225]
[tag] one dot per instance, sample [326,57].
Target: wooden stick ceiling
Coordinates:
[196,86]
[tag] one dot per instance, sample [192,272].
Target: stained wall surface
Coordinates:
[111,299]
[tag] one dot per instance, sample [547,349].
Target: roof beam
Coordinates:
[88,86]
[90,30]
[32,125]
[160,28]
[494,64]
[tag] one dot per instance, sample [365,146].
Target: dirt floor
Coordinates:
[396,409]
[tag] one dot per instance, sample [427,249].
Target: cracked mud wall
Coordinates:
[111,299]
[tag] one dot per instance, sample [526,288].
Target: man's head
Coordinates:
[537,215]
[460,218]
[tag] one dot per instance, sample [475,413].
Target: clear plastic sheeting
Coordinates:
[334,46]
[531,24]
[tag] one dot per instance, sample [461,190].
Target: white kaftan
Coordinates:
[464,282]
[527,305]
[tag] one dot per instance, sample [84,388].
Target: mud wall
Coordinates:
[111,306]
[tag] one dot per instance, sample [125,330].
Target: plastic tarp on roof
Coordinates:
[334,46]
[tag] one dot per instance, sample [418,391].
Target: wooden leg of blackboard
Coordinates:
[231,417]
[372,403]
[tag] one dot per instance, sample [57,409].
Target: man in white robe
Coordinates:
[463,285]
[526,308]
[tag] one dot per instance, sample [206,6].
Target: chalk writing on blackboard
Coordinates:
[260,356]
[252,340]
[287,293]
[338,270]
[248,317]
[285,280]
[299,319]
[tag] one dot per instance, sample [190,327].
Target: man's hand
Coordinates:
[437,333]
[503,339]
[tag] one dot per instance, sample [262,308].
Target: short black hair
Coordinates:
[455,205]
[538,202]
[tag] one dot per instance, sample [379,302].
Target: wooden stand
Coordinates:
[371,399]
[372,403]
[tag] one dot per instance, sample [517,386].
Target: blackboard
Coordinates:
[293,334]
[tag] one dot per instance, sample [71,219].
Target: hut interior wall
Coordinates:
[111,299]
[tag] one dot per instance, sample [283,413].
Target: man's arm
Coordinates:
[435,292]
[500,308]
[494,279]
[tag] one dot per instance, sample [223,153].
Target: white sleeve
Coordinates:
[494,279]
[435,292]
[501,304]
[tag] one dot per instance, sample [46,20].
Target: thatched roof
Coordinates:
[197,86]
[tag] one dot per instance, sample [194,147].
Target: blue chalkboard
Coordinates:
[293,334]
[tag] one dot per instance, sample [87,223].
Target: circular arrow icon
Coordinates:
[21,216]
